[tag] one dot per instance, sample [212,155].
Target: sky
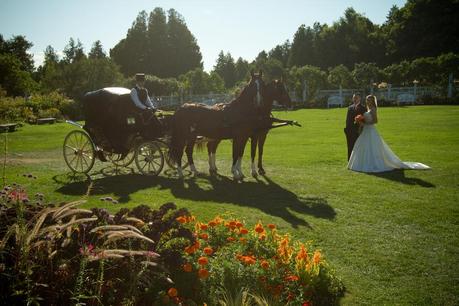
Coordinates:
[240,27]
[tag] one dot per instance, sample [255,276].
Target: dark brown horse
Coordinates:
[225,121]
[274,91]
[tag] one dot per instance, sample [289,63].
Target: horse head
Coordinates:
[276,91]
[253,93]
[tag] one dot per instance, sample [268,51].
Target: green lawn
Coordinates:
[392,238]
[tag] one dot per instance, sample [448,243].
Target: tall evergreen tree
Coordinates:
[97,51]
[226,69]
[157,43]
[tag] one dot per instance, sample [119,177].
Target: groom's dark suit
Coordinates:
[352,129]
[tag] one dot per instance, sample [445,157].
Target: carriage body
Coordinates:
[115,130]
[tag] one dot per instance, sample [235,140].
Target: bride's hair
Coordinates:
[372,106]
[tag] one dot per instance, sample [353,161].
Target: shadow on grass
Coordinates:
[264,194]
[399,176]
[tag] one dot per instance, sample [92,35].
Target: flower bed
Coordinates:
[68,255]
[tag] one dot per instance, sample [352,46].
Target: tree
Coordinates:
[183,49]
[73,51]
[97,51]
[281,53]
[198,81]
[18,47]
[242,69]
[340,76]
[129,53]
[159,47]
[13,79]
[423,28]
[226,69]
[302,49]
[365,74]
[312,76]
[157,43]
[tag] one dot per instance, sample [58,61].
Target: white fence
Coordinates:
[388,93]
[333,95]
[209,99]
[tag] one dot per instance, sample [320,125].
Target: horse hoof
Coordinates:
[254,174]
[261,171]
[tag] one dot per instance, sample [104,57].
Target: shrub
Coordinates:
[68,255]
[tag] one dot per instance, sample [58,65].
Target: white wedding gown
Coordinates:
[372,154]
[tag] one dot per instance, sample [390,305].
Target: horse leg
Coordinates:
[261,143]
[241,154]
[253,153]
[234,168]
[189,154]
[211,149]
[178,153]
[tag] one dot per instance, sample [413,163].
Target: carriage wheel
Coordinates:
[79,152]
[167,158]
[149,158]
[120,161]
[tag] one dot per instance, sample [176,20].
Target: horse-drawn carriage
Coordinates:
[115,130]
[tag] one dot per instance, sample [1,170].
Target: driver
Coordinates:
[139,94]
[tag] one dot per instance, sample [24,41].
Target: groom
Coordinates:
[352,129]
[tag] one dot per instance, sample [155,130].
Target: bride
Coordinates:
[371,153]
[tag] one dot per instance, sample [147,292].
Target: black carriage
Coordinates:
[115,130]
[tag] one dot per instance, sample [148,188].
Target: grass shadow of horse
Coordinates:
[263,194]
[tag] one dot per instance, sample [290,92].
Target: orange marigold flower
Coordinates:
[264,264]
[187,267]
[243,231]
[212,223]
[248,260]
[230,239]
[172,292]
[203,226]
[302,253]
[243,240]
[239,224]
[292,278]
[208,250]
[259,228]
[190,250]
[232,223]
[181,219]
[316,257]
[262,236]
[203,261]
[271,226]
[203,273]
[204,236]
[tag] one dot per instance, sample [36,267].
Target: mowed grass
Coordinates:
[392,237]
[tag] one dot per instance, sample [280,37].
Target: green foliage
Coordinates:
[76,73]
[365,74]
[37,106]
[198,81]
[226,69]
[340,76]
[313,76]
[13,79]
[158,47]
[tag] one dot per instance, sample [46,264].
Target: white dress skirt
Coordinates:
[372,154]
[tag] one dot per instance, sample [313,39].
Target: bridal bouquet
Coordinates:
[359,119]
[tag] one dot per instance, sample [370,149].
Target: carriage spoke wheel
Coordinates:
[149,158]
[119,160]
[79,152]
